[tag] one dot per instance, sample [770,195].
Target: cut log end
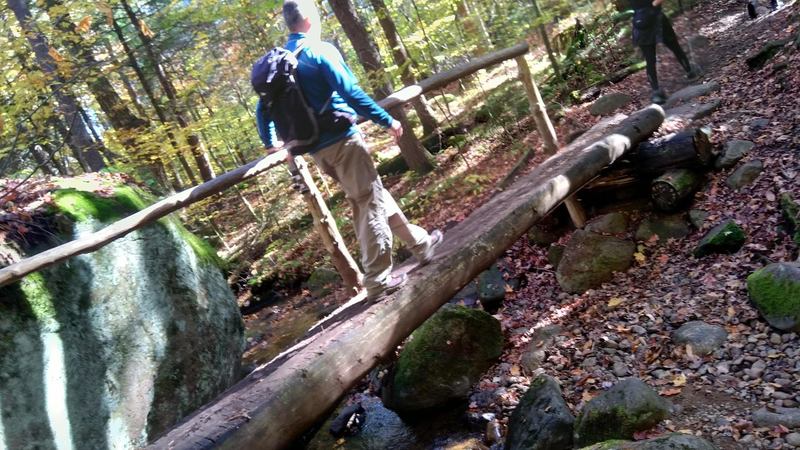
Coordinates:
[670,190]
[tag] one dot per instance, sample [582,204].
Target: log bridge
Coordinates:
[280,400]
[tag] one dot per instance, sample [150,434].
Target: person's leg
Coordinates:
[649,53]
[414,237]
[349,162]
[671,42]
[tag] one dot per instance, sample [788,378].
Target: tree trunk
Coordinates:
[79,139]
[400,56]
[283,398]
[546,40]
[416,156]
[689,149]
[206,172]
[474,26]
[673,188]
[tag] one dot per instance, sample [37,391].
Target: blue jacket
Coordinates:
[323,75]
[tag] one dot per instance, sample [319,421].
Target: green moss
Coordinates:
[39,297]
[726,237]
[791,213]
[774,292]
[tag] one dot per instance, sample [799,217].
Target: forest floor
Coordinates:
[629,320]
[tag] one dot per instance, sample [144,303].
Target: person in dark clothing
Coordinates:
[651,26]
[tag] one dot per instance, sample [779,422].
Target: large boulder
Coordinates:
[629,406]
[726,237]
[111,348]
[590,259]
[775,290]
[541,420]
[674,441]
[611,223]
[321,281]
[443,359]
[664,227]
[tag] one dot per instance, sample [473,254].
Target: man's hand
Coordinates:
[657,3]
[396,129]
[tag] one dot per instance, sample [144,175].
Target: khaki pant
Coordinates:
[376,215]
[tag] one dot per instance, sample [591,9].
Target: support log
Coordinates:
[690,149]
[673,188]
[325,225]
[277,402]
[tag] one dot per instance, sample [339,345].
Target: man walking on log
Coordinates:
[651,26]
[331,90]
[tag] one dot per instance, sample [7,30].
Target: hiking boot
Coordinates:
[658,97]
[395,282]
[436,238]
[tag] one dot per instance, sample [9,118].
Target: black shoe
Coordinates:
[658,97]
[694,73]
[751,10]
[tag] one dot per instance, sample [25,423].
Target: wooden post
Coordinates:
[546,132]
[326,227]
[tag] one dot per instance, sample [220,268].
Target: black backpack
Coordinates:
[274,78]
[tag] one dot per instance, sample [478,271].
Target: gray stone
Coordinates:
[775,290]
[491,287]
[444,358]
[675,441]
[544,235]
[629,406]
[665,227]
[690,93]
[554,255]
[732,153]
[382,428]
[745,174]
[793,439]
[620,369]
[534,354]
[698,217]
[759,123]
[541,420]
[612,223]
[788,417]
[703,338]
[590,259]
[790,210]
[118,344]
[727,237]
[689,112]
[609,103]
[699,42]
[321,281]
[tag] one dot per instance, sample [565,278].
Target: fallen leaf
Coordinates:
[615,301]
[84,25]
[669,392]
[679,380]
[640,258]
[515,370]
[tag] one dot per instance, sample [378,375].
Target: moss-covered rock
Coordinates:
[727,237]
[609,103]
[321,281]
[612,223]
[444,358]
[628,407]
[118,344]
[775,290]
[491,288]
[791,214]
[734,151]
[541,420]
[745,174]
[665,227]
[674,441]
[590,259]
[382,429]
[554,255]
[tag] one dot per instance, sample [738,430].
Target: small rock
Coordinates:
[732,153]
[745,174]
[775,338]
[698,217]
[491,288]
[788,417]
[691,92]
[775,290]
[727,237]
[542,420]
[609,103]
[590,259]
[793,439]
[612,223]
[628,407]
[703,338]
[665,227]
[758,123]
[620,369]
[791,215]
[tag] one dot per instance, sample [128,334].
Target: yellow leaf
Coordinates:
[515,370]
[679,380]
[586,396]
[639,257]
[104,8]
[55,55]
[145,29]
[84,24]
[613,302]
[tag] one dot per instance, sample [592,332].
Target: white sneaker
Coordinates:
[436,238]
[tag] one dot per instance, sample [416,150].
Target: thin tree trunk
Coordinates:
[543,33]
[429,123]
[79,139]
[206,172]
[473,25]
